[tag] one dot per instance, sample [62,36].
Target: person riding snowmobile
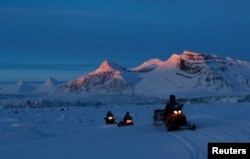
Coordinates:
[126,117]
[127,120]
[109,114]
[171,104]
[109,118]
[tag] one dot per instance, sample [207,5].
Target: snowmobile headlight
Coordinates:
[110,118]
[177,111]
[129,121]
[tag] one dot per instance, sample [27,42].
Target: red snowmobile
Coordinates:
[177,119]
[127,122]
[173,120]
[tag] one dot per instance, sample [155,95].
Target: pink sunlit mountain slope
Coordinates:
[185,74]
[147,66]
[109,77]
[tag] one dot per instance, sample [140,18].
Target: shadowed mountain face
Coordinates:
[214,71]
[193,73]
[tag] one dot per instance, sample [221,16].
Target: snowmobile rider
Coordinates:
[171,104]
[109,114]
[109,118]
[126,117]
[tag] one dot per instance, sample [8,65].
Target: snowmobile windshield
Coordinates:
[177,106]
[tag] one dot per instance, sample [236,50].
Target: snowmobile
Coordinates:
[174,120]
[126,122]
[110,119]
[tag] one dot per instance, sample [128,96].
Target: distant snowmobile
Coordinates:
[174,120]
[109,119]
[127,120]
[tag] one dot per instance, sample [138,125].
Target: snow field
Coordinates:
[80,132]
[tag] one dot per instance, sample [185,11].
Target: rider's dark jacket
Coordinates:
[169,106]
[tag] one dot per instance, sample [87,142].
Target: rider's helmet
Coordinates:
[109,113]
[172,97]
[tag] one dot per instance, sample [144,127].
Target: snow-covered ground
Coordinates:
[73,132]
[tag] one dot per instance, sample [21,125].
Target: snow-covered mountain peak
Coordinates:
[147,65]
[187,61]
[48,86]
[191,53]
[50,81]
[181,74]
[20,87]
[172,62]
[210,61]
[154,61]
[21,82]
[192,56]
[109,66]
[194,72]
[109,77]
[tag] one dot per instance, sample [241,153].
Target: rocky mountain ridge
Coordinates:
[188,72]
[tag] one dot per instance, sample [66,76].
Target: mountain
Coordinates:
[147,66]
[108,78]
[49,85]
[21,87]
[193,73]
[187,74]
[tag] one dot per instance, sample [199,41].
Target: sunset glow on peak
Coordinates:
[104,65]
[109,66]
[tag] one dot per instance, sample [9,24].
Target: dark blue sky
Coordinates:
[68,38]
